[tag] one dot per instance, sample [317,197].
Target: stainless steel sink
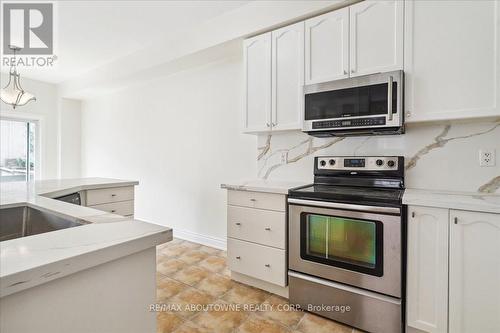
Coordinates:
[23,221]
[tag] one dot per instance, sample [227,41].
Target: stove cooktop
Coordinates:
[349,194]
[369,180]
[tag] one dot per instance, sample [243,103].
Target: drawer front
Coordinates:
[107,195]
[265,227]
[259,200]
[258,261]
[124,208]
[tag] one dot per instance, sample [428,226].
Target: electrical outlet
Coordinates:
[487,157]
[284,157]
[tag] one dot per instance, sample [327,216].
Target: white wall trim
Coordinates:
[218,243]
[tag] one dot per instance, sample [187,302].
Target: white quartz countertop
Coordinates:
[30,261]
[453,200]
[268,186]
[473,201]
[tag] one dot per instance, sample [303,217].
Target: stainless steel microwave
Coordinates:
[371,104]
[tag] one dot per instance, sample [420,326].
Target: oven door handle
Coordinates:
[389,98]
[324,204]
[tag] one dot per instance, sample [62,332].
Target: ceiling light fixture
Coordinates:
[13,94]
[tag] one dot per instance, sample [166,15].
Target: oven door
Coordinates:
[371,101]
[358,248]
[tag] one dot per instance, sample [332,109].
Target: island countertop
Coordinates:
[30,261]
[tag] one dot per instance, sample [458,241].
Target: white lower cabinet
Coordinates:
[474,272]
[256,225]
[453,271]
[427,270]
[116,200]
[262,262]
[124,208]
[107,195]
[256,243]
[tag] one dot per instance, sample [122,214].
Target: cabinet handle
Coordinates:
[353,71]
[345,72]
[112,211]
[267,265]
[455,220]
[113,195]
[274,124]
[408,114]
[413,214]
[238,257]
[268,125]
[268,229]
[238,223]
[253,200]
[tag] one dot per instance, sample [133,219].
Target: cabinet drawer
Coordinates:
[260,200]
[121,208]
[258,261]
[106,195]
[256,225]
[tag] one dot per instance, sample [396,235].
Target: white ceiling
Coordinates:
[91,34]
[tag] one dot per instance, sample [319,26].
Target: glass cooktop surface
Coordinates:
[348,194]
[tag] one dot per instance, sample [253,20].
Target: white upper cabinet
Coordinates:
[427,269]
[474,272]
[362,39]
[327,47]
[452,59]
[376,37]
[287,77]
[257,55]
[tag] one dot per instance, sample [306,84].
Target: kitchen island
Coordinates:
[95,277]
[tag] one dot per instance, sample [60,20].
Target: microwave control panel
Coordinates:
[358,122]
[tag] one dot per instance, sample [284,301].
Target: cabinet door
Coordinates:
[376,37]
[427,269]
[452,60]
[288,77]
[327,47]
[474,272]
[257,55]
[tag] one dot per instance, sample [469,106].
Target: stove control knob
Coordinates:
[322,163]
[379,162]
[331,162]
[391,163]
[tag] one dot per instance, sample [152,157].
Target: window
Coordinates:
[17,150]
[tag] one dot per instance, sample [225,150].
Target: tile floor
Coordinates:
[190,273]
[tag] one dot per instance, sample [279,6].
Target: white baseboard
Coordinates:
[218,243]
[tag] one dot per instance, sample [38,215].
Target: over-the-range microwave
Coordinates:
[364,105]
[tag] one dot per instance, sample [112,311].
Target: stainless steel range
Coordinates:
[347,242]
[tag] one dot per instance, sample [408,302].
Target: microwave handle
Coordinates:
[389,98]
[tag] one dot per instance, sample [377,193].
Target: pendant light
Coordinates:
[13,94]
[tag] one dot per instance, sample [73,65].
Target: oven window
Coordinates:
[354,244]
[350,102]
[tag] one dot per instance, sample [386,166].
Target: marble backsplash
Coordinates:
[437,156]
